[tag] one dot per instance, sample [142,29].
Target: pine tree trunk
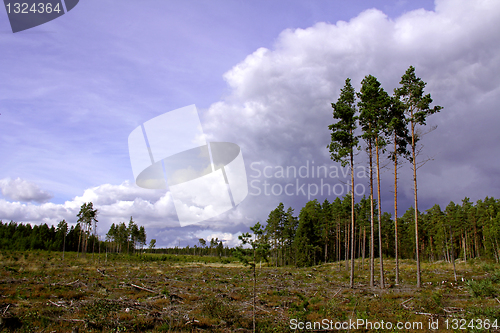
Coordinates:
[93,241]
[453,255]
[432,250]
[447,253]
[464,237]
[396,240]
[79,243]
[254,283]
[275,245]
[283,251]
[382,284]
[475,241]
[364,249]
[346,245]
[417,247]
[467,247]
[339,245]
[372,228]
[353,238]
[360,243]
[84,241]
[484,240]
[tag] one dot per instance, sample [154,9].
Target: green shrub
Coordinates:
[487,267]
[495,277]
[98,312]
[215,308]
[482,288]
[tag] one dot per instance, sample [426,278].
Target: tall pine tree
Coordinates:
[373,106]
[343,143]
[397,131]
[417,108]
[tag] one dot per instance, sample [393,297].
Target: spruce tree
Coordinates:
[306,239]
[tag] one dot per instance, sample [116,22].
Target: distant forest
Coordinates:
[21,237]
[120,238]
[79,238]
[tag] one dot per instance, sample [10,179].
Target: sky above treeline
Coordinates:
[263,75]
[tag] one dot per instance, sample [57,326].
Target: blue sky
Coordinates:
[262,74]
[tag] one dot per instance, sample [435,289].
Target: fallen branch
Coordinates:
[142,288]
[156,297]
[406,301]
[73,320]
[175,280]
[426,314]
[453,310]
[8,305]
[58,305]
[431,314]
[337,292]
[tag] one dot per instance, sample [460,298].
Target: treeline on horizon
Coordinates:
[120,238]
[24,236]
[321,232]
[81,237]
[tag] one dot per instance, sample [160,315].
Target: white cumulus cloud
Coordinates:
[22,190]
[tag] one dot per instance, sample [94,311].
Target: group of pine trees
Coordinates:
[383,121]
[345,230]
[121,238]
